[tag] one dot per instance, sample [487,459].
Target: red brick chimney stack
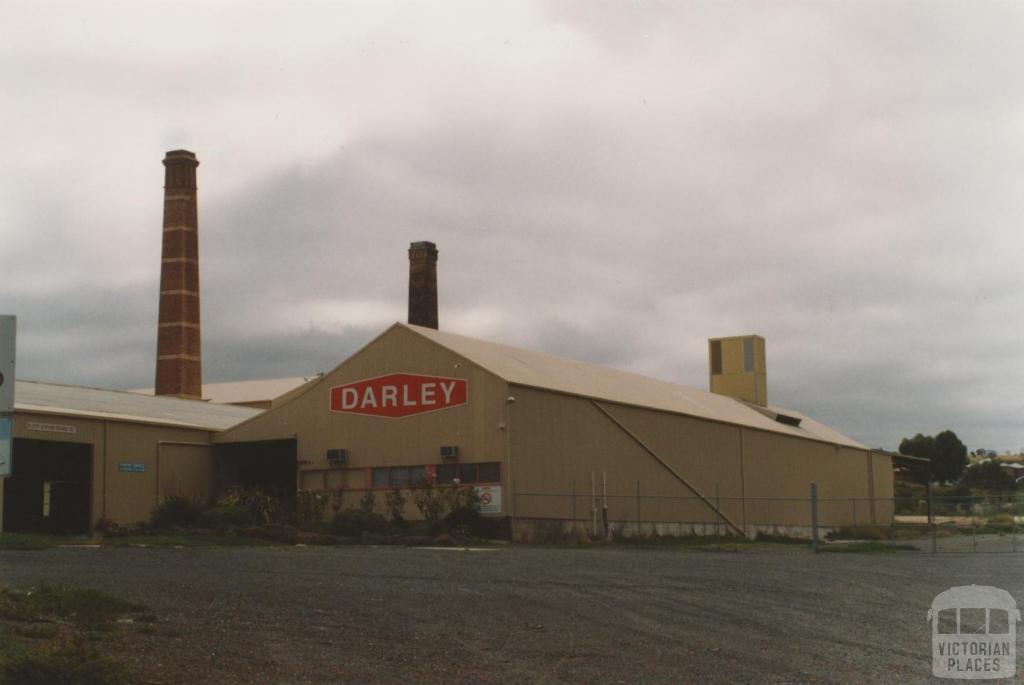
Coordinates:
[423,284]
[178,354]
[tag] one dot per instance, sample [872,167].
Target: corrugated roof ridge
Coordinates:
[684,392]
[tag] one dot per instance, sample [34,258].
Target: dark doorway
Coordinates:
[270,465]
[49,487]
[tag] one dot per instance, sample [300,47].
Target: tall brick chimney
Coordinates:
[178,354]
[423,284]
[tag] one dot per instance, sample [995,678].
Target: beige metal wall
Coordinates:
[558,441]
[376,441]
[125,497]
[758,478]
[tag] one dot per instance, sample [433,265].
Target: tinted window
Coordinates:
[399,476]
[998,622]
[467,473]
[947,622]
[489,473]
[972,621]
[445,473]
[417,474]
[716,356]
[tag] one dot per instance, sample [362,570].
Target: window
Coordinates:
[972,621]
[947,622]
[380,477]
[399,476]
[716,357]
[489,473]
[417,475]
[445,474]
[998,622]
[467,473]
[748,354]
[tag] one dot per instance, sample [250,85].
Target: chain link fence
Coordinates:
[963,524]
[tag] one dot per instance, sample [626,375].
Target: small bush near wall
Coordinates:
[394,500]
[225,515]
[175,511]
[310,507]
[263,508]
[355,522]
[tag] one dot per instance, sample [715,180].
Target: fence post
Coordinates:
[855,519]
[514,512]
[638,508]
[974,525]
[814,517]
[931,521]
[718,513]
[1013,520]
[574,506]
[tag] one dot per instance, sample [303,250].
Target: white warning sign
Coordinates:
[490,498]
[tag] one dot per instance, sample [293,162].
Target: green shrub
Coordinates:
[75,663]
[310,507]
[354,522]
[273,532]
[262,508]
[394,500]
[463,510]
[175,511]
[225,515]
[368,502]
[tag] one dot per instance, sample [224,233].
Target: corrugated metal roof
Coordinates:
[539,370]
[73,400]
[237,392]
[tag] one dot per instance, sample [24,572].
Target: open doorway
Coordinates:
[270,465]
[49,488]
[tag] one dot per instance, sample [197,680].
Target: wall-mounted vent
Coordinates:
[338,457]
[449,452]
[788,420]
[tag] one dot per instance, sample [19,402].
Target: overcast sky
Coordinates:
[609,181]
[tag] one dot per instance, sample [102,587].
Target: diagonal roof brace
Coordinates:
[675,474]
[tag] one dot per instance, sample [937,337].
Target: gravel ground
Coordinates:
[521,615]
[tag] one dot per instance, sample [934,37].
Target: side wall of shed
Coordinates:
[164,460]
[657,466]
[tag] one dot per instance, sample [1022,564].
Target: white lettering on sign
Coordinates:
[398,395]
[51,427]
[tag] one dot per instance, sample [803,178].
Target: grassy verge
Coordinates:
[866,548]
[186,540]
[21,541]
[46,634]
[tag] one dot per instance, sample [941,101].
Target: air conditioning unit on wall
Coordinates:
[449,452]
[338,457]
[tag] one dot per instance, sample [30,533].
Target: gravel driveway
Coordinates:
[521,615]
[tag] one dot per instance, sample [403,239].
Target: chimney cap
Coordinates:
[422,245]
[173,155]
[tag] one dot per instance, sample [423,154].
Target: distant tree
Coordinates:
[950,456]
[988,475]
[947,454]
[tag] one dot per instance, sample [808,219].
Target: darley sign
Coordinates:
[399,394]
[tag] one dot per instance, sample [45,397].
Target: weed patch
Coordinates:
[867,548]
[22,541]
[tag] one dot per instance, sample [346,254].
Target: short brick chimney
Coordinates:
[423,284]
[178,354]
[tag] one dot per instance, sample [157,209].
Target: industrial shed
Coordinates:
[534,431]
[85,454]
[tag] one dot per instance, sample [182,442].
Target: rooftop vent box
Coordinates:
[338,457]
[449,452]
